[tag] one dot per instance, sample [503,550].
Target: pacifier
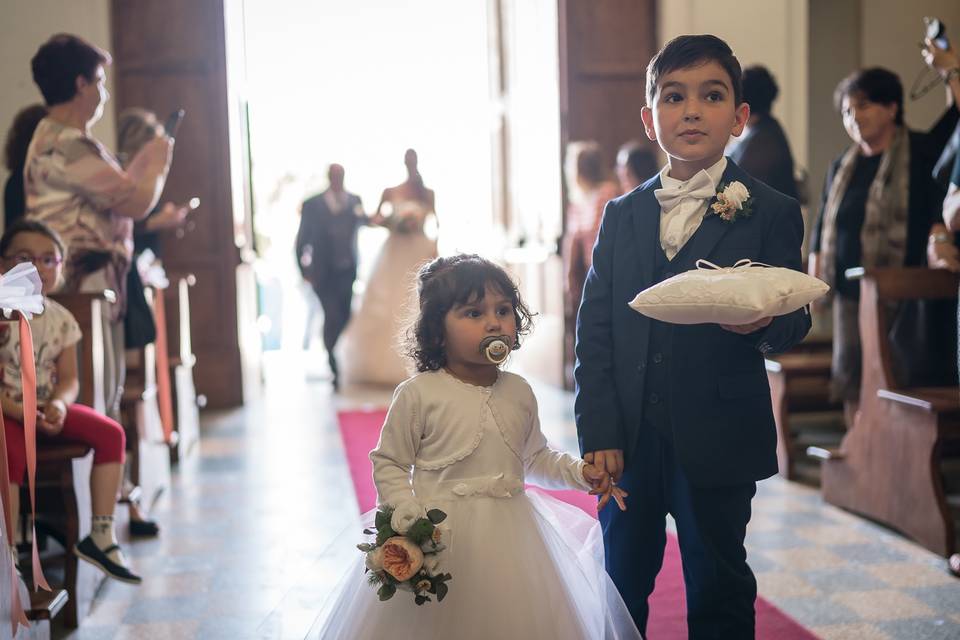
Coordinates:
[495,348]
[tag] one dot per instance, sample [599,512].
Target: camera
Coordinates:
[937,32]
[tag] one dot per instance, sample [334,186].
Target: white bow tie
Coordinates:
[699,187]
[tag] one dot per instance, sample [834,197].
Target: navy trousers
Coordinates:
[711,525]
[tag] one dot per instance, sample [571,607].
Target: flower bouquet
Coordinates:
[406,552]
[403,221]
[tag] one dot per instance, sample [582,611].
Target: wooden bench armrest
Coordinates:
[800,363]
[945,400]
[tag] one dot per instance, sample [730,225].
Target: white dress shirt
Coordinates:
[680,223]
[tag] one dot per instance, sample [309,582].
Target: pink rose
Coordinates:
[402,559]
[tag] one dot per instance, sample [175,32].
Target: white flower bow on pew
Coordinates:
[21,291]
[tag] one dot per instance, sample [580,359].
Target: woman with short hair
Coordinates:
[78,188]
[880,205]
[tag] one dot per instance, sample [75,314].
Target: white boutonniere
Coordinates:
[733,201]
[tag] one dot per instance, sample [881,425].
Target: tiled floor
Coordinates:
[258,527]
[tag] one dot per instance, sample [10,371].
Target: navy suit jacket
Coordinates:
[720,408]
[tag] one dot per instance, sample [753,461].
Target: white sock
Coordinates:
[103,535]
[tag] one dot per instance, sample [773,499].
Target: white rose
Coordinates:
[431,564]
[406,513]
[374,559]
[735,194]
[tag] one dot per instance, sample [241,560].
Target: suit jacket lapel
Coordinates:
[646,225]
[713,228]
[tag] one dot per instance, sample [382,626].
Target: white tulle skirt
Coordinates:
[370,351]
[527,567]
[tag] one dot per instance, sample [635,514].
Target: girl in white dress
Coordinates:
[463,436]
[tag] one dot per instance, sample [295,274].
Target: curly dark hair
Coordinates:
[444,283]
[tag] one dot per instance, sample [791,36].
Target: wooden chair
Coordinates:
[890,464]
[805,415]
[63,469]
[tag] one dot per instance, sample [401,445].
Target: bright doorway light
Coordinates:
[357,83]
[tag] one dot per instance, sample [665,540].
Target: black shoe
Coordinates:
[90,552]
[144,528]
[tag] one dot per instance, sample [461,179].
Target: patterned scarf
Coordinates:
[883,237]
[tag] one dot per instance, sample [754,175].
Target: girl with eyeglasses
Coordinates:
[56,334]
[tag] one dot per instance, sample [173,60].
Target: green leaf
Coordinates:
[436,516]
[442,589]
[385,534]
[369,532]
[366,546]
[421,599]
[421,531]
[386,592]
[383,518]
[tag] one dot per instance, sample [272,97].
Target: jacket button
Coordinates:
[654,398]
[657,358]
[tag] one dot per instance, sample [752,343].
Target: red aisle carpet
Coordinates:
[360,431]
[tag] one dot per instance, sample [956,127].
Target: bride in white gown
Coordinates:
[371,351]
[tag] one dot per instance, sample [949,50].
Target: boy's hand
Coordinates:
[595,476]
[744,329]
[609,460]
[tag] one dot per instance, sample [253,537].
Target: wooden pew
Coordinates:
[890,464]
[63,470]
[182,360]
[149,456]
[800,394]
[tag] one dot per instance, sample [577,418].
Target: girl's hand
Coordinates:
[46,427]
[55,413]
[595,476]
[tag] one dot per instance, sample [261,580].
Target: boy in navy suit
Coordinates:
[680,415]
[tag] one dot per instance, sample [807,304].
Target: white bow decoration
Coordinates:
[20,290]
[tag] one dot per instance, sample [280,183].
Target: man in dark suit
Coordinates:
[327,255]
[680,415]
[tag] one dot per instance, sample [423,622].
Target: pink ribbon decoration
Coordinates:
[164,392]
[28,381]
[18,615]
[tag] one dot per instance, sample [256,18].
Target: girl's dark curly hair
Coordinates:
[445,283]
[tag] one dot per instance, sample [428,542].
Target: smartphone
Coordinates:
[173,122]
[936,32]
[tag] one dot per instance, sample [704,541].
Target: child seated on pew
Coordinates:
[55,335]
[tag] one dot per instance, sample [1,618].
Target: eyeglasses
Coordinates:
[48,261]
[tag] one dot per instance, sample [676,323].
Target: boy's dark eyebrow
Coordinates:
[714,81]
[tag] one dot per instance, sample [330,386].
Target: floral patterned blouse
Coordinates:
[53,330]
[71,182]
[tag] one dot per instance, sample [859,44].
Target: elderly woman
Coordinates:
[880,205]
[78,188]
